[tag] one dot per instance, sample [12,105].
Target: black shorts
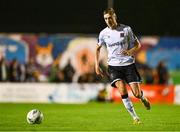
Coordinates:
[129,74]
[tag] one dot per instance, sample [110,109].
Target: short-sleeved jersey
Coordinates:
[117,40]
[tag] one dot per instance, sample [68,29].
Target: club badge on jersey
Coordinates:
[121,34]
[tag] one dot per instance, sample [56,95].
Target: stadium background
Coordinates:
[49,35]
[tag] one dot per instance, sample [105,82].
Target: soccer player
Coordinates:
[121,44]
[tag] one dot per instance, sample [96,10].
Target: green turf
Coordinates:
[175,75]
[89,117]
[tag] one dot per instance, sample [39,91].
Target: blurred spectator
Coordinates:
[146,73]
[87,78]
[148,76]
[60,76]
[102,95]
[4,74]
[22,72]
[56,74]
[162,73]
[31,71]
[14,71]
[83,78]
[68,72]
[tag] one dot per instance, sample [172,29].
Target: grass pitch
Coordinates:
[175,75]
[89,117]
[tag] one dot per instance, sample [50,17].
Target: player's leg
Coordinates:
[116,74]
[125,99]
[134,79]
[138,93]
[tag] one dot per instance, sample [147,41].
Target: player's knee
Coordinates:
[137,95]
[122,90]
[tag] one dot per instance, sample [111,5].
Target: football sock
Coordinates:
[129,106]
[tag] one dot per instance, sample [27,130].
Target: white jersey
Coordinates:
[117,40]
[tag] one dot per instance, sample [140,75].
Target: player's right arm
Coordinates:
[97,56]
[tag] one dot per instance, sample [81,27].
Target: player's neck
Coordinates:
[114,26]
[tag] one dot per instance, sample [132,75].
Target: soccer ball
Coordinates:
[34,116]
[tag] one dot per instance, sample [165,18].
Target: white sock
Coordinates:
[142,96]
[130,108]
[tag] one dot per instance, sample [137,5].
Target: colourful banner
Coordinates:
[155,94]
[49,92]
[13,49]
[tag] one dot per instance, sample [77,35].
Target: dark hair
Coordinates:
[109,11]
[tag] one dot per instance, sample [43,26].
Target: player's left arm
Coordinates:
[132,51]
[133,42]
[137,46]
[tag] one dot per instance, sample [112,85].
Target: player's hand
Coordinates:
[126,52]
[99,71]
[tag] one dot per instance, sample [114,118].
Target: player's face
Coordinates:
[110,20]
